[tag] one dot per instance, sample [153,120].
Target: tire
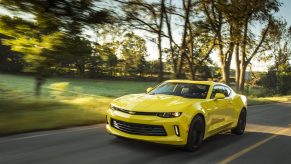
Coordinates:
[241,123]
[196,134]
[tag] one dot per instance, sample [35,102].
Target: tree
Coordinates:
[107,54]
[26,38]
[230,21]
[279,74]
[75,50]
[53,19]
[216,21]
[133,53]
[148,17]
[260,11]
[196,42]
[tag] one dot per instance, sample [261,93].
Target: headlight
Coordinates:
[169,114]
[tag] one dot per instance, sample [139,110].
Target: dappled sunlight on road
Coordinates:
[275,130]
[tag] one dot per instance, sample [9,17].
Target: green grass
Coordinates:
[23,114]
[66,102]
[268,100]
[105,88]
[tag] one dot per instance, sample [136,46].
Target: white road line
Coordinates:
[49,134]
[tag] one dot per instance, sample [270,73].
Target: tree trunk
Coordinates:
[38,83]
[191,68]
[242,77]
[81,68]
[237,64]
[168,23]
[194,70]
[186,8]
[160,60]
[161,72]
[225,73]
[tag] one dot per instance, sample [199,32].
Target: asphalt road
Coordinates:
[267,140]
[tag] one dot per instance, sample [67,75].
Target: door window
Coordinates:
[220,89]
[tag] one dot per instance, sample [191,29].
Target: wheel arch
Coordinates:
[203,119]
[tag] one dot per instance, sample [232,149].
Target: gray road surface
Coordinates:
[267,140]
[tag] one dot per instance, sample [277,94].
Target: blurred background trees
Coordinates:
[278,77]
[87,39]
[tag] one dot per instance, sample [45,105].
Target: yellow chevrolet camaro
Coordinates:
[178,112]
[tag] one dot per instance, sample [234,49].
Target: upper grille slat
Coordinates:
[139,129]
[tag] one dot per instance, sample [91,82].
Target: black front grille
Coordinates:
[139,129]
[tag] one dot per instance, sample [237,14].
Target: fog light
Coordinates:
[106,119]
[177,131]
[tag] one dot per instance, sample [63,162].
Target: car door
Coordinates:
[219,111]
[229,97]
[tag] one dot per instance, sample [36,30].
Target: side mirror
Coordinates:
[149,89]
[219,96]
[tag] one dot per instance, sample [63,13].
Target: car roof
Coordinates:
[191,81]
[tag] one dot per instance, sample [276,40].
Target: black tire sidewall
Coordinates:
[196,123]
[243,115]
[239,130]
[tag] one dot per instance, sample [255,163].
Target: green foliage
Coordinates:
[133,53]
[10,61]
[279,75]
[55,25]
[75,52]
[107,54]
[25,39]
[277,82]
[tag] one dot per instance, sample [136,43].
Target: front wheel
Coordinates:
[241,124]
[196,134]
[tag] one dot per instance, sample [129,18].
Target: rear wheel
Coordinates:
[196,134]
[241,124]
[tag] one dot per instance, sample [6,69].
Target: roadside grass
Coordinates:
[268,100]
[22,114]
[67,102]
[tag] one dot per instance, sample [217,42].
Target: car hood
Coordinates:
[154,103]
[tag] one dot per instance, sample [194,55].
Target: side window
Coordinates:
[216,89]
[227,92]
[220,89]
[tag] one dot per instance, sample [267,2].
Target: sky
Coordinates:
[284,12]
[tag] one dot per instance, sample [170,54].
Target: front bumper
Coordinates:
[171,137]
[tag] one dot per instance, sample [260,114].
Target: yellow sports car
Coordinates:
[178,112]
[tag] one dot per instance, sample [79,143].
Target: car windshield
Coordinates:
[188,90]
